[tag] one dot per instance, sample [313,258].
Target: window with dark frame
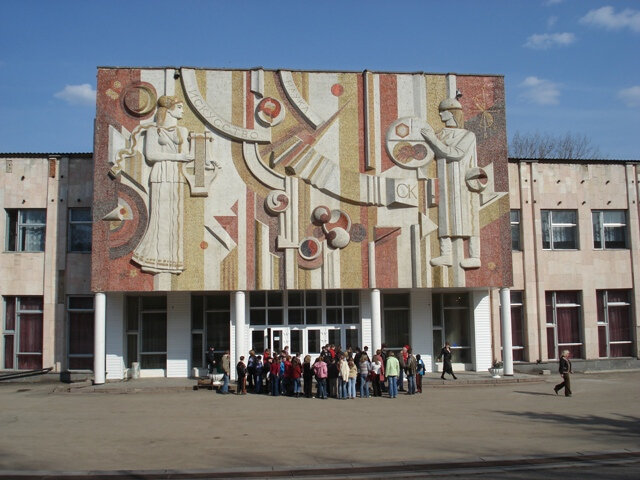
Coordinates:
[516,235]
[23,333]
[79,237]
[564,323]
[615,337]
[80,314]
[26,230]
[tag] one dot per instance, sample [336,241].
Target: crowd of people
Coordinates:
[334,373]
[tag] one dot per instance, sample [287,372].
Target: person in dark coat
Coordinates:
[211,359]
[564,368]
[445,354]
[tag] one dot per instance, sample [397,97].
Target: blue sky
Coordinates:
[569,65]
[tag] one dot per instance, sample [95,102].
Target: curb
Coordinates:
[406,469]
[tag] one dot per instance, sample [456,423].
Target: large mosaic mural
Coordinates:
[258,179]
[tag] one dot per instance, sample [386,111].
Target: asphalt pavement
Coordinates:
[165,429]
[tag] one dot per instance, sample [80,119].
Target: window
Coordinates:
[342,307]
[451,323]
[516,244]
[305,307]
[147,332]
[79,230]
[395,318]
[517,325]
[210,325]
[80,335]
[23,333]
[609,229]
[266,308]
[559,230]
[614,323]
[26,230]
[563,324]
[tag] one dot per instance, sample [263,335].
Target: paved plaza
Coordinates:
[166,425]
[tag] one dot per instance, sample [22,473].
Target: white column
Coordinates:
[239,320]
[376,321]
[505,318]
[99,338]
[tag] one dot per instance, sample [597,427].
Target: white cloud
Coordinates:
[551,21]
[77,94]
[607,17]
[540,91]
[544,41]
[630,96]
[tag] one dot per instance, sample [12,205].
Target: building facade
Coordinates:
[576,267]
[47,311]
[264,209]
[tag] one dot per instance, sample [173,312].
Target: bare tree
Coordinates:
[570,146]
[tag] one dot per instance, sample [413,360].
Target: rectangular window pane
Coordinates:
[158,360]
[352,315]
[132,314]
[615,237]
[596,218]
[396,328]
[10,313]
[565,238]
[81,303]
[296,341]
[296,299]
[274,299]
[275,316]
[196,350]
[197,314]
[438,343]
[296,316]
[81,333]
[313,299]
[132,349]
[334,316]
[436,311]
[564,216]
[219,302]
[257,299]
[334,337]
[154,303]
[351,297]
[257,341]
[12,230]
[456,326]
[314,316]
[515,229]
[80,238]
[35,216]
[351,339]
[154,332]
[546,229]
[8,351]
[313,341]
[218,330]
[30,304]
[258,317]
[333,298]
[30,339]
[396,300]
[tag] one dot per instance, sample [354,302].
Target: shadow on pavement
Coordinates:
[624,425]
[544,394]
